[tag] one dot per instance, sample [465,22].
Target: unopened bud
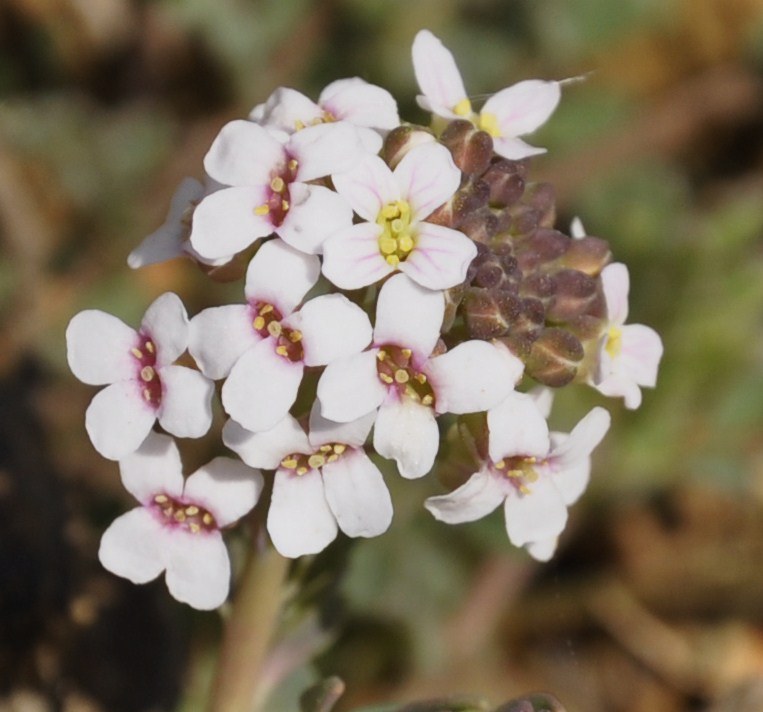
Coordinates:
[574,293]
[480,225]
[554,357]
[482,313]
[470,147]
[587,254]
[542,197]
[401,140]
[540,248]
[506,181]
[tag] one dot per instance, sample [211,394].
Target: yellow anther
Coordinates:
[161,498]
[500,464]
[274,329]
[147,373]
[262,209]
[389,211]
[325,448]
[167,511]
[381,354]
[150,346]
[387,245]
[302,471]
[524,489]
[289,463]
[208,519]
[194,527]
[393,260]
[192,510]
[488,122]
[277,185]
[407,353]
[421,378]
[293,163]
[614,341]
[137,353]
[282,350]
[339,448]
[266,309]
[316,461]
[386,378]
[402,376]
[295,336]
[258,323]
[397,225]
[405,243]
[515,473]
[299,125]
[147,394]
[180,515]
[463,108]
[284,205]
[531,476]
[427,400]
[531,460]
[332,458]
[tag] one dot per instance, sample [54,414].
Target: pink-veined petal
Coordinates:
[352,259]
[218,336]
[98,348]
[198,569]
[585,436]
[186,406]
[118,420]
[640,354]
[325,149]
[332,327]
[357,495]
[474,376]
[476,498]
[261,387]
[244,153]
[517,427]
[154,468]
[515,149]
[406,432]
[437,75]
[281,275]
[427,178]
[166,323]
[440,258]
[288,110]
[350,388]
[409,315]
[134,546]
[353,433]
[299,519]
[537,516]
[267,448]
[360,103]
[225,222]
[315,214]
[368,187]
[524,107]
[616,283]
[572,480]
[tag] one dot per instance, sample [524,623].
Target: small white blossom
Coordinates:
[142,383]
[394,234]
[535,474]
[177,527]
[507,115]
[323,480]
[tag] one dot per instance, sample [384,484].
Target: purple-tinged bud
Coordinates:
[483,314]
[470,147]
[540,248]
[539,285]
[506,181]
[542,197]
[587,254]
[575,292]
[586,327]
[470,198]
[453,298]
[554,357]
[524,219]
[480,225]
[401,140]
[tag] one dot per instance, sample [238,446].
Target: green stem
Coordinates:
[249,630]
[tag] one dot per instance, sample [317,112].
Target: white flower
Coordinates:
[370,108]
[142,384]
[323,479]
[536,475]
[394,235]
[177,528]
[507,115]
[407,383]
[269,172]
[628,355]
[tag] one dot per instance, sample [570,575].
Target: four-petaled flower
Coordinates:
[534,473]
[409,384]
[142,383]
[507,115]
[177,528]
[323,479]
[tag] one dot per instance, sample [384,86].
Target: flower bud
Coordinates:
[587,254]
[506,181]
[483,313]
[542,197]
[574,292]
[540,248]
[401,140]
[554,357]
[480,225]
[470,147]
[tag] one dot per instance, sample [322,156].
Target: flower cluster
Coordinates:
[401,281]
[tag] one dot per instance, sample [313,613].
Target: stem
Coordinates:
[248,631]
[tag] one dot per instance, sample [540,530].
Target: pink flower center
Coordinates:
[267,322]
[145,354]
[301,463]
[183,515]
[519,470]
[395,368]
[278,199]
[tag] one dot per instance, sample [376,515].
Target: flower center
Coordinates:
[519,470]
[463,108]
[267,322]
[301,464]
[326,118]
[395,369]
[145,354]
[488,122]
[278,199]
[614,341]
[183,515]
[396,240]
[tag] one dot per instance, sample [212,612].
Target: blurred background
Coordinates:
[655,599]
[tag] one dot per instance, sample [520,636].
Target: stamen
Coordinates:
[488,122]
[274,329]
[262,210]
[258,323]
[401,375]
[137,353]
[316,461]
[277,184]
[405,243]
[149,346]
[282,350]
[179,515]
[463,108]
[208,519]
[407,353]
[427,400]
[266,309]
[161,498]
[293,164]
[302,470]
[284,205]
[289,463]
[192,510]
[339,448]
[393,260]
[381,354]
[421,378]
[386,378]
[325,448]
[147,373]
[295,336]
[195,528]
[147,395]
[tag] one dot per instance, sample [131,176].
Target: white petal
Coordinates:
[315,214]
[615,386]
[350,388]
[437,74]
[515,149]
[585,436]
[408,315]
[368,187]
[186,407]
[166,322]
[353,433]
[225,222]
[640,354]
[517,427]
[616,284]
[352,259]
[573,480]
[218,336]
[406,432]
[98,348]
[133,547]
[154,468]
[441,257]
[543,397]
[472,377]
[118,420]
[577,229]
[198,569]
[268,448]
[226,488]
[537,516]
[474,499]
[261,387]
[524,107]
[299,519]
[357,495]
[360,103]
[281,275]
[332,327]
[325,149]
[244,153]
[427,178]
[542,550]
[288,109]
